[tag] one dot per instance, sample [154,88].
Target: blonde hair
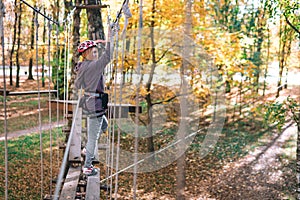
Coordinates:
[86,52]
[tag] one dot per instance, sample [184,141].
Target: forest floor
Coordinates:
[265,171]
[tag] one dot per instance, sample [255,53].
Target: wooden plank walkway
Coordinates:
[74,175]
[70,184]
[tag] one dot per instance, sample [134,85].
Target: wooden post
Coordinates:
[93,187]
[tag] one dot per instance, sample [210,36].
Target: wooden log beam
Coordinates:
[75,147]
[93,187]
[91,6]
[2,92]
[8,93]
[112,108]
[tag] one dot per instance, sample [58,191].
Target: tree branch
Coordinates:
[171,98]
[291,25]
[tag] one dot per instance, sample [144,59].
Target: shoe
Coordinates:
[105,187]
[90,171]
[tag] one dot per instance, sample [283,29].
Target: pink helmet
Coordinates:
[86,45]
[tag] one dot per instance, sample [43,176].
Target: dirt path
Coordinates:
[262,174]
[33,130]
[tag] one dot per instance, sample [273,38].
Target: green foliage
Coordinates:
[294,107]
[238,138]
[278,112]
[286,7]
[275,113]
[2,98]
[58,77]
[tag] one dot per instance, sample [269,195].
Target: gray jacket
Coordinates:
[90,78]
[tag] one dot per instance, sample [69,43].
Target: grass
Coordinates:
[24,174]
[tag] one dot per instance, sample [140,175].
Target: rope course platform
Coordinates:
[76,185]
[125,108]
[71,182]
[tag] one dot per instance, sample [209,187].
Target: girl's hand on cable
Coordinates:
[113,29]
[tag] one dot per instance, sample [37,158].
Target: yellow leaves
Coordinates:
[226,48]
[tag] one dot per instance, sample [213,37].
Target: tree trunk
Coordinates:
[181,163]
[288,53]
[95,25]
[13,45]
[260,39]
[267,62]
[241,95]
[149,83]
[282,53]
[281,66]
[76,41]
[150,142]
[298,156]
[30,65]
[18,47]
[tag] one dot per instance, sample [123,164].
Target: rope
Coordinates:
[67,21]
[113,70]
[70,21]
[155,153]
[57,89]
[115,96]
[119,14]
[4,99]
[115,104]
[110,137]
[137,97]
[127,15]
[39,97]
[50,110]
[65,66]
[114,32]
[39,104]
[107,70]
[119,131]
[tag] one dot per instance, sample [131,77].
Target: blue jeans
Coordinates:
[96,126]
